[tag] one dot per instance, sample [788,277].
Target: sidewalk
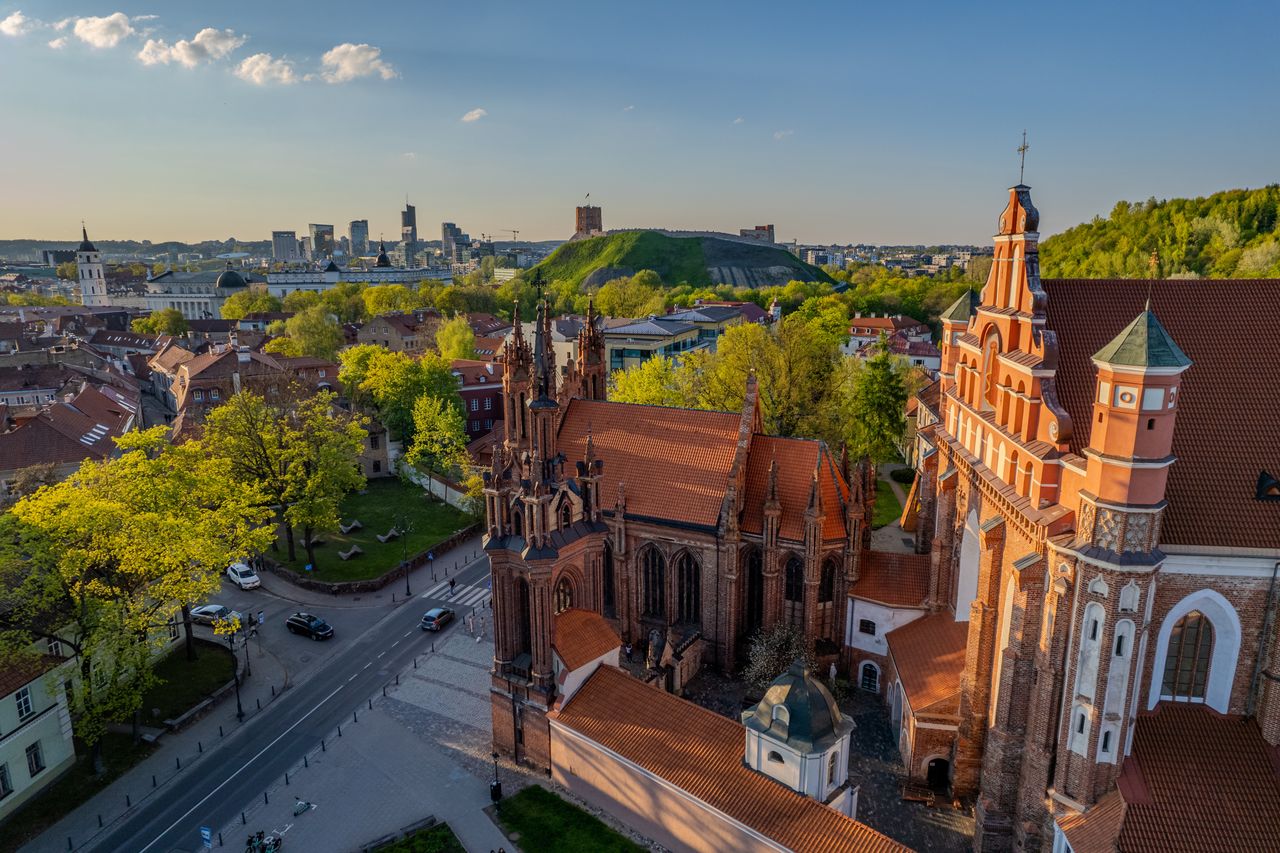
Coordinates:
[177,755]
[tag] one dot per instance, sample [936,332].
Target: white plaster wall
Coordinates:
[886,619]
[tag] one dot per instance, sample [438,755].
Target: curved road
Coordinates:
[252,760]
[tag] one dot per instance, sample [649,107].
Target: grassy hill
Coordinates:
[678,260]
[1231,234]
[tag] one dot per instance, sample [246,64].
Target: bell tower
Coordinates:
[93,285]
[1117,549]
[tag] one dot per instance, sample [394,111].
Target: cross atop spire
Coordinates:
[1022,155]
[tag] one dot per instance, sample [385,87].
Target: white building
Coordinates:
[281,284]
[93,285]
[35,732]
[198,295]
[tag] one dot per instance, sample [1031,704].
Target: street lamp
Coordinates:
[495,787]
[248,665]
[403,526]
[231,644]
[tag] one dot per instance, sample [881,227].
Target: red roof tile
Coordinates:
[797,459]
[17,674]
[898,580]
[929,655]
[581,636]
[1096,830]
[701,752]
[1228,406]
[1199,781]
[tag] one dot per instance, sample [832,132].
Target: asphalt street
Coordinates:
[336,678]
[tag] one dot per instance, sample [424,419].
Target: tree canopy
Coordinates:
[455,339]
[249,301]
[392,382]
[165,321]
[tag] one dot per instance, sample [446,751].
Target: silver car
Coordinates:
[209,614]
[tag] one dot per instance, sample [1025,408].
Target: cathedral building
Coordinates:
[686,530]
[1095,660]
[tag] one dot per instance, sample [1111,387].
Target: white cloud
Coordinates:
[63,24]
[16,25]
[410,155]
[104,32]
[59,43]
[739,120]
[351,61]
[263,69]
[475,115]
[628,108]
[782,134]
[208,45]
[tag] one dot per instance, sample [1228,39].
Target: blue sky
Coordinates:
[885,122]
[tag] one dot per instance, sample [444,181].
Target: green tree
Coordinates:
[166,321]
[315,332]
[300,300]
[393,382]
[323,446]
[67,271]
[637,296]
[455,339]
[283,345]
[250,301]
[659,381]
[873,401]
[389,298]
[102,561]
[440,438]
[772,652]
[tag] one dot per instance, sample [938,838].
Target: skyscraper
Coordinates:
[284,245]
[358,231]
[409,234]
[321,241]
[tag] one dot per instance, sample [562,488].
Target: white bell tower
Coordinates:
[93,285]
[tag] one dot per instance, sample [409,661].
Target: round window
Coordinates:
[1126,397]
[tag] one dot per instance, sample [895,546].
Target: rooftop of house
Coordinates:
[898,580]
[580,636]
[16,674]
[701,753]
[70,431]
[656,327]
[477,372]
[704,314]
[929,655]
[887,323]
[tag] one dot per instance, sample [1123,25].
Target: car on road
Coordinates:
[209,614]
[436,618]
[243,576]
[309,626]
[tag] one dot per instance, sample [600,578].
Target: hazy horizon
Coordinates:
[837,124]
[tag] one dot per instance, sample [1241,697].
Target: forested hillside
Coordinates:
[1230,234]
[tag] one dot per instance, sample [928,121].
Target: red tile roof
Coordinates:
[674,463]
[898,580]
[1198,780]
[17,674]
[581,636]
[701,753]
[929,655]
[1228,407]
[797,459]
[1096,830]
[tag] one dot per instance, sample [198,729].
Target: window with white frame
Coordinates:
[55,647]
[213,394]
[475,404]
[35,759]
[6,783]
[23,700]
[488,403]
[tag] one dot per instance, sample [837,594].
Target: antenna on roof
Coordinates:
[1022,153]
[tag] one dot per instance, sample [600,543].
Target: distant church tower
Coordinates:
[93,285]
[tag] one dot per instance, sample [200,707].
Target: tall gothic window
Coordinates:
[566,513]
[654,569]
[826,603]
[753,564]
[689,590]
[1186,665]
[524,643]
[564,595]
[793,604]
[606,580]
[517,520]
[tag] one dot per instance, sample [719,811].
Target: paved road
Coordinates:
[358,664]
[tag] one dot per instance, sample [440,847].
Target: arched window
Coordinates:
[1186,665]
[564,595]
[688,590]
[753,564]
[826,600]
[606,580]
[781,714]
[517,520]
[793,594]
[832,764]
[870,678]
[655,583]
[775,757]
[566,513]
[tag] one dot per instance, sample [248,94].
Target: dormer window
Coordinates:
[775,757]
[781,714]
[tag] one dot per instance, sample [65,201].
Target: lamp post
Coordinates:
[231,644]
[248,665]
[495,787]
[404,527]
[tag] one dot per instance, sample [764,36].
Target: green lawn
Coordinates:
[379,510]
[437,839]
[888,509]
[183,683]
[78,785]
[548,824]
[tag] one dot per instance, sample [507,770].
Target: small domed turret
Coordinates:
[383,260]
[230,279]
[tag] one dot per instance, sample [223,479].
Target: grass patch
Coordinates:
[184,684]
[436,839]
[888,509]
[378,509]
[548,824]
[119,753]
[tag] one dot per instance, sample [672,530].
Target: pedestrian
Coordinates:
[452,583]
[627,650]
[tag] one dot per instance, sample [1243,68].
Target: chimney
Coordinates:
[242,355]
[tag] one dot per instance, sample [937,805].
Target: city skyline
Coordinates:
[886,132]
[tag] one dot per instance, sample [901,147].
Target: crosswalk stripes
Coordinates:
[463,594]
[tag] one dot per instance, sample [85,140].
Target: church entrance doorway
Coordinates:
[938,775]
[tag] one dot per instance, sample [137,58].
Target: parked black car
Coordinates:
[436,618]
[309,626]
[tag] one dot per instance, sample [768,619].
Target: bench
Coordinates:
[388,536]
[347,528]
[354,552]
[913,793]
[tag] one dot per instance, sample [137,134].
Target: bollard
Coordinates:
[200,747]
[355,718]
[397,679]
[415,664]
[384,696]
[384,693]
[220,734]
[178,759]
[99,821]
[259,704]
[265,801]
[433,646]
[242,820]
[70,846]
[153,780]
[393,597]
[305,762]
[273,691]
[128,803]
[322,745]
[219,839]
[339,731]
[286,778]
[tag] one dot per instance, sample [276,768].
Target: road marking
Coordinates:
[366,666]
[353,677]
[393,645]
[380,654]
[242,768]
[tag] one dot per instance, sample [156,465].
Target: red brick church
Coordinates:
[1096,659]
